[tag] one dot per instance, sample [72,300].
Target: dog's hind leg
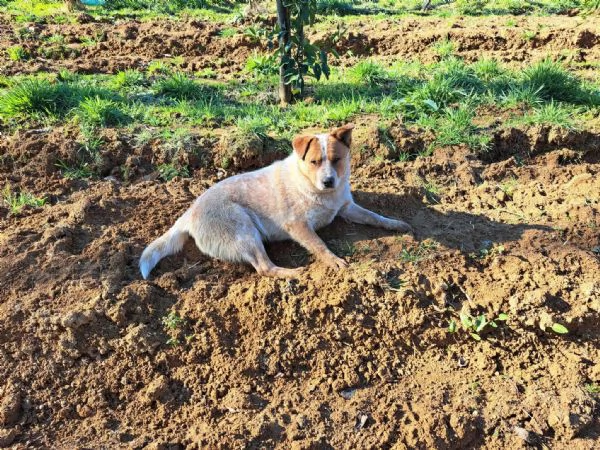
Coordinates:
[228,232]
[258,258]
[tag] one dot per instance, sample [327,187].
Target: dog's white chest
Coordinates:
[320,217]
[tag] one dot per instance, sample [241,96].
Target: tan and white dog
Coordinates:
[289,199]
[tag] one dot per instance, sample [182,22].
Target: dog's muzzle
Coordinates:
[329,182]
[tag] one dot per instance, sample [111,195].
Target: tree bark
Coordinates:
[74,5]
[283,18]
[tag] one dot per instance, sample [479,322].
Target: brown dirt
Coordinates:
[572,39]
[131,44]
[359,358]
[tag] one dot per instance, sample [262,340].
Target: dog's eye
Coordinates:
[335,160]
[313,162]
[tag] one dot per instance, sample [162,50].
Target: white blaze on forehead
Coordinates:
[323,141]
[326,170]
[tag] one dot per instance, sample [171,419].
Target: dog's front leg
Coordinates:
[358,214]
[306,236]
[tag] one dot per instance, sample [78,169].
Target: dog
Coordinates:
[289,199]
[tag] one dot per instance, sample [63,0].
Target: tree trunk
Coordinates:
[283,18]
[74,5]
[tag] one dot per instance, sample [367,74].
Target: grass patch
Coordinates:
[16,53]
[444,48]
[416,253]
[179,86]
[552,113]
[17,201]
[554,83]
[368,72]
[262,64]
[101,112]
[169,171]
[80,172]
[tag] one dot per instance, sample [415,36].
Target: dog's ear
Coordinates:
[301,145]
[344,134]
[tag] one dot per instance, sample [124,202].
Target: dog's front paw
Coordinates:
[399,225]
[335,262]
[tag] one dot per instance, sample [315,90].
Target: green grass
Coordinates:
[39,97]
[16,53]
[444,98]
[75,172]
[101,112]
[179,86]
[17,201]
[444,48]
[555,114]
[169,171]
[553,82]
[231,11]
[416,253]
[129,78]
[455,127]
[368,72]
[262,64]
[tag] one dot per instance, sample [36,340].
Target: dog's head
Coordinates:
[325,158]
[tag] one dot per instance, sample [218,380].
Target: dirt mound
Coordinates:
[507,39]
[210,354]
[395,352]
[100,47]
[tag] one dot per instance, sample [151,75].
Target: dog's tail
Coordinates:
[169,243]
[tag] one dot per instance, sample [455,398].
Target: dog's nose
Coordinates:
[328,182]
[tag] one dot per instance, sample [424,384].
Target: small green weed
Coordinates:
[228,32]
[172,321]
[343,248]
[128,78]
[169,171]
[475,325]
[508,187]
[414,254]
[75,172]
[488,250]
[171,324]
[16,202]
[262,64]
[432,191]
[16,53]
[159,67]
[394,283]
[529,35]
[444,48]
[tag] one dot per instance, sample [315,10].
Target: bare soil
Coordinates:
[103,47]
[359,358]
